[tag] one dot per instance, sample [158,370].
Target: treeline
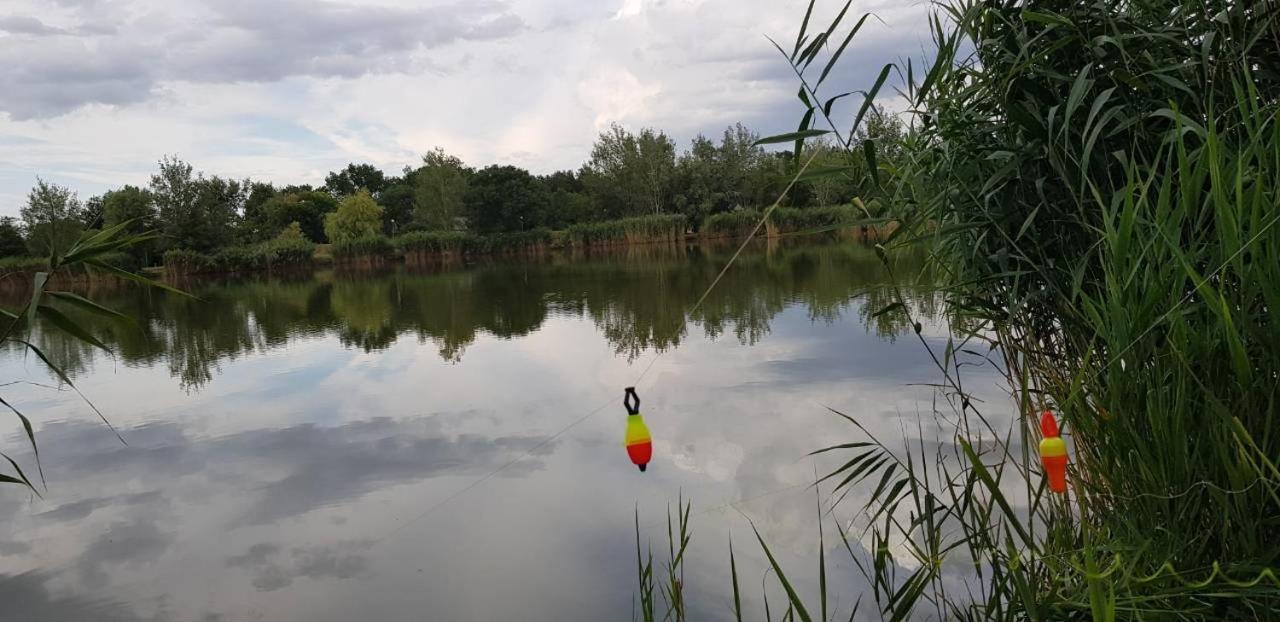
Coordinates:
[637,177]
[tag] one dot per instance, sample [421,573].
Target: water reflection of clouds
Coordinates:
[295,486]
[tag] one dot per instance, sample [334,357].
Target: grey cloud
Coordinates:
[124,543]
[77,510]
[310,466]
[245,41]
[54,76]
[270,573]
[14,548]
[26,597]
[257,555]
[24,25]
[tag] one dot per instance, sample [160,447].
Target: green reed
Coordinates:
[1097,185]
[638,230]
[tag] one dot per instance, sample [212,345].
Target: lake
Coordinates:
[446,444]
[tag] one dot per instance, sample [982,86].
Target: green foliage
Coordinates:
[354,178]
[306,209]
[736,174]
[639,230]
[253,224]
[238,259]
[1097,181]
[23,264]
[357,217]
[196,212]
[735,224]
[512,242]
[630,174]
[433,242]
[439,188]
[182,261]
[504,199]
[134,206]
[815,219]
[52,216]
[11,242]
[368,246]
[288,249]
[397,205]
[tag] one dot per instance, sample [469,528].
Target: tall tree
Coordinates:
[632,173]
[505,198]
[355,177]
[439,187]
[134,206]
[567,201]
[52,217]
[358,216]
[397,203]
[196,212]
[253,222]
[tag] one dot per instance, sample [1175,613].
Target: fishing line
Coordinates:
[701,299]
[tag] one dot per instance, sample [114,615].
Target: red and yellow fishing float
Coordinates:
[1053,453]
[639,444]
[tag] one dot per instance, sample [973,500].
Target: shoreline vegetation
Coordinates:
[1096,187]
[636,188]
[436,247]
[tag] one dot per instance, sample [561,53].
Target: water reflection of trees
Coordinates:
[639,300]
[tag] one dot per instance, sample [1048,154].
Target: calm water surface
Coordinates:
[315,448]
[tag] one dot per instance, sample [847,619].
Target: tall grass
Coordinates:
[1099,184]
[639,230]
[785,220]
[370,247]
[735,224]
[278,253]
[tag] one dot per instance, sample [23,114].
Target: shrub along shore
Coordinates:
[425,247]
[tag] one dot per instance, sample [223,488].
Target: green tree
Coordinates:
[196,212]
[355,177]
[308,209]
[11,242]
[358,216]
[52,216]
[632,173]
[439,187]
[567,201]
[397,203]
[135,206]
[505,198]
[253,221]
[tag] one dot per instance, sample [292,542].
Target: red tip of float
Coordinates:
[1048,425]
[640,453]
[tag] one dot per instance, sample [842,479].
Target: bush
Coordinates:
[657,228]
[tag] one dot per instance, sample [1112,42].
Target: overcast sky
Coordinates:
[95,91]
